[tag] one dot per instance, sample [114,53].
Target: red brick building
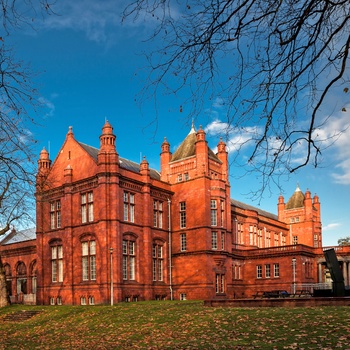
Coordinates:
[111,230]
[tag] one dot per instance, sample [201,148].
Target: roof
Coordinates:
[250,207]
[188,148]
[297,199]
[123,162]
[19,236]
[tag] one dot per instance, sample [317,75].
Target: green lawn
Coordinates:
[176,325]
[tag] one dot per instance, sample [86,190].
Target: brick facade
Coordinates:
[111,230]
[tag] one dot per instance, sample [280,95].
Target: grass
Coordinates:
[176,325]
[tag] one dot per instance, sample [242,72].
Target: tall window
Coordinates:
[295,240]
[182,214]
[276,269]
[157,255]
[222,213]
[129,207]
[89,260]
[267,238]
[260,239]
[222,240]
[213,213]
[267,271]
[87,207]
[55,214]
[251,235]
[236,272]
[258,271]
[57,263]
[158,214]
[214,240]
[129,260]
[183,242]
[220,283]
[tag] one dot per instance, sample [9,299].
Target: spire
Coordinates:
[193,129]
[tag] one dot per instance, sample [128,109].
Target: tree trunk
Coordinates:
[4,296]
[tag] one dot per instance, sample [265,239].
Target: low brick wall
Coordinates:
[282,302]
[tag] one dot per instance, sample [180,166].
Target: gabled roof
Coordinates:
[250,207]
[188,148]
[297,199]
[123,163]
[19,236]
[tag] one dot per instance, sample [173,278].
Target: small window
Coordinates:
[276,268]
[258,271]
[183,296]
[179,178]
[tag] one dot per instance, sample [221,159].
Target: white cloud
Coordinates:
[94,18]
[336,135]
[331,227]
[101,21]
[48,105]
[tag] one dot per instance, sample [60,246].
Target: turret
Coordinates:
[222,155]
[108,156]
[201,152]
[165,158]
[281,206]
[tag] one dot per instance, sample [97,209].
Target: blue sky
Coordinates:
[90,69]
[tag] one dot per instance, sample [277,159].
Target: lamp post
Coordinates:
[111,253]
[294,262]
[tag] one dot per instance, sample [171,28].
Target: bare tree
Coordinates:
[18,106]
[270,63]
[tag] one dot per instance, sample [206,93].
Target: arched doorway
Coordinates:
[21,277]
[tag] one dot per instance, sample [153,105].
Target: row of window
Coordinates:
[217,241]
[217,211]
[215,218]
[267,270]
[258,236]
[87,210]
[88,261]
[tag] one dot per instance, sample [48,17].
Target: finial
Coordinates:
[193,129]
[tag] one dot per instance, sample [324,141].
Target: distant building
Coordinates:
[111,230]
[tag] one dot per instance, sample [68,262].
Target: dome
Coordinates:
[297,199]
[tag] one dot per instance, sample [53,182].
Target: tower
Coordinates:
[201,216]
[303,215]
